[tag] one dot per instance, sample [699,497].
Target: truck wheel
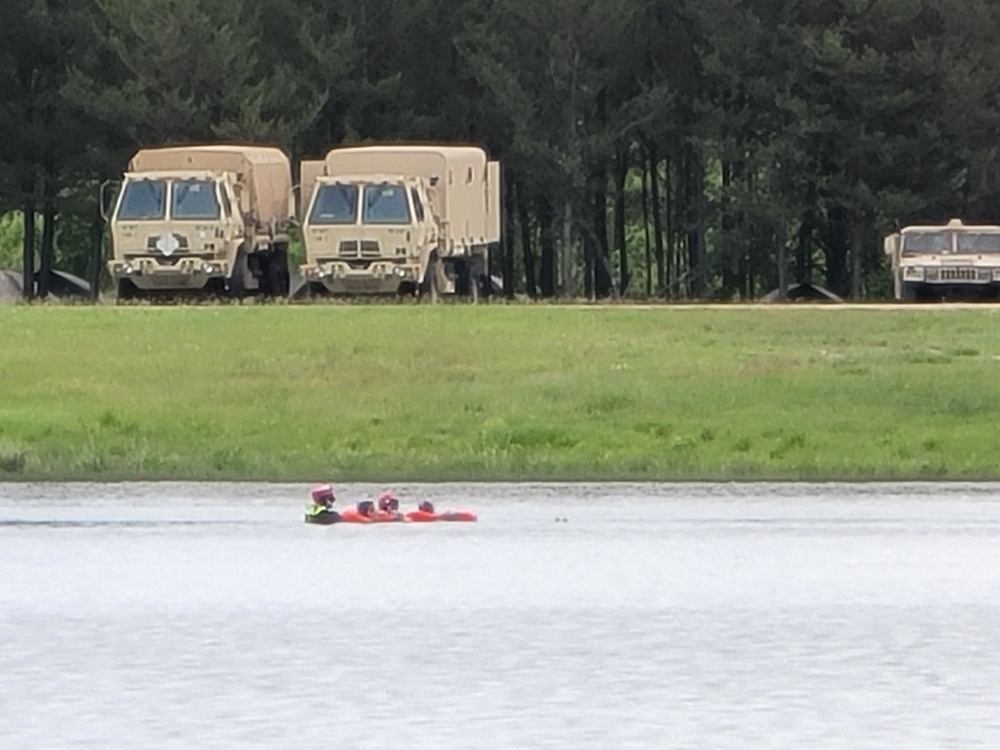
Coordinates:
[464,278]
[430,287]
[276,277]
[126,290]
[909,292]
[237,280]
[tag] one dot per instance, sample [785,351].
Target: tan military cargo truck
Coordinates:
[212,218]
[400,219]
[954,261]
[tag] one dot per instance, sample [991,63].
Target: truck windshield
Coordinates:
[385,204]
[143,200]
[978,242]
[927,242]
[335,204]
[194,199]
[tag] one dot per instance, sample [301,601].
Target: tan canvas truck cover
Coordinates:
[468,187]
[265,170]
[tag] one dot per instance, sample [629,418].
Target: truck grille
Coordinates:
[362,249]
[963,273]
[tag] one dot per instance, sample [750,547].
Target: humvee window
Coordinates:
[194,199]
[385,204]
[978,243]
[926,242]
[335,204]
[143,200]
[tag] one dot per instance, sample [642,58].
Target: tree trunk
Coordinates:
[694,197]
[837,250]
[28,251]
[782,263]
[546,227]
[48,237]
[857,248]
[527,251]
[603,278]
[654,194]
[508,237]
[803,264]
[645,227]
[621,173]
[589,251]
[96,252]
[566,266]
[673,271]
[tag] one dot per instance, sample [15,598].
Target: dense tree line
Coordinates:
[673,148]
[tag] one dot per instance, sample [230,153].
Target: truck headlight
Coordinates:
[996,274]
[915,273]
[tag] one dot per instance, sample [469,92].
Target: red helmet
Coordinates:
[426,506]
[323,494]
[387,501]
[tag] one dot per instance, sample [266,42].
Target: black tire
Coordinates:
[277,279]
[485,286]
[464,277]
[126,290]
[909,292]
[237,279]
[429,288]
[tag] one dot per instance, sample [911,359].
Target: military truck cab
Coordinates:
[954,261]
[211,218]
[369,234]
[400,220]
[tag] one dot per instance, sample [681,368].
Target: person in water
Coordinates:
[388,502]
[323,497]
[366,508]
[426,506]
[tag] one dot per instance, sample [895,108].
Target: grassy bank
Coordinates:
[460,392]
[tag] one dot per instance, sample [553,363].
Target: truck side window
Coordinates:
[418,207]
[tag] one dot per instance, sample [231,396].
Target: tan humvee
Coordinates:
[211,218]
[400,220]
[945,262]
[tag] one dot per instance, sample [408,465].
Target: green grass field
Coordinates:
[461,392]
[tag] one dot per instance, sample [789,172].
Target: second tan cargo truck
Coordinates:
[400,219]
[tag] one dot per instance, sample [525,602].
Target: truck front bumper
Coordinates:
[380,277]
[184,273]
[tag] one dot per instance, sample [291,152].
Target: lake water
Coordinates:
[654,616]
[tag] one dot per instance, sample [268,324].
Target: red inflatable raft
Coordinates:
[422,516]
[352,516]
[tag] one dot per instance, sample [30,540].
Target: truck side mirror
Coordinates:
[105,202]
[891,245]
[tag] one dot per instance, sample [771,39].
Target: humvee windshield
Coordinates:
[335,204]
[194,199]
[978,242]
[927,242]
[385,204]
[143,200]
